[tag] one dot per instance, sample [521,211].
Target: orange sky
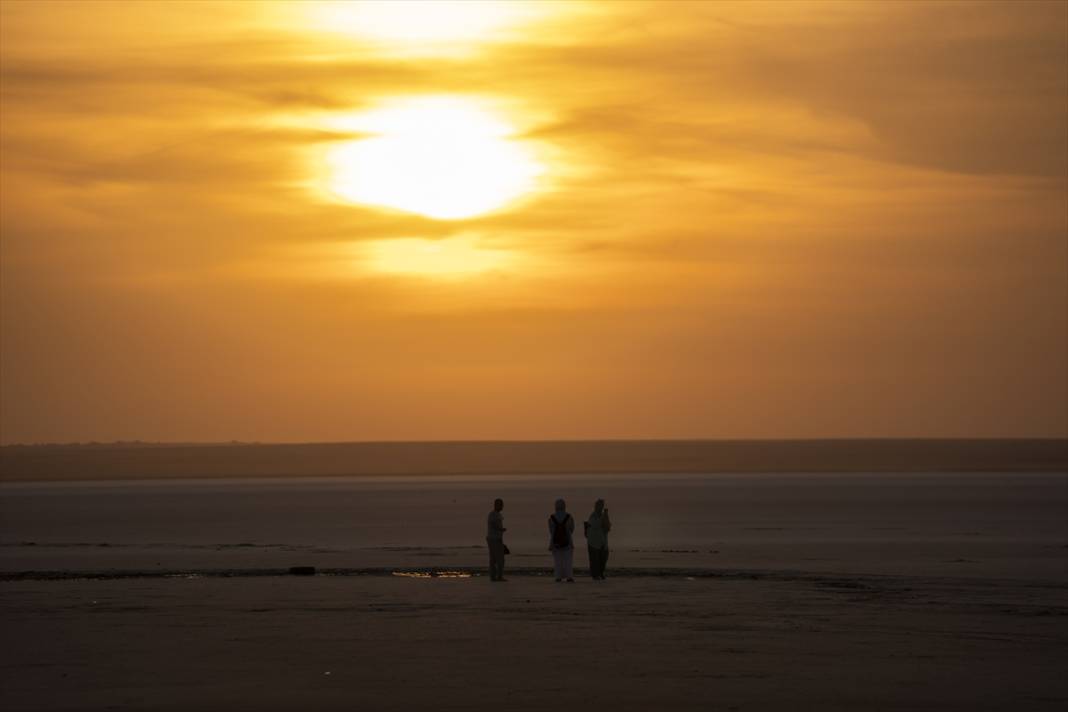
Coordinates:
[320,221]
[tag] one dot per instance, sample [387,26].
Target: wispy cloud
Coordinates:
[748,208]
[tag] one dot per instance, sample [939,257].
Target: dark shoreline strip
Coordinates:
[43,463]
[833,580]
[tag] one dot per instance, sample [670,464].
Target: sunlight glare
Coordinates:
[442,157]
[451,257]
[423,26]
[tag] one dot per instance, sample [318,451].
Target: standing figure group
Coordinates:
[561,541]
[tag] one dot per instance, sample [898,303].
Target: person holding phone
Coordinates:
[597,528]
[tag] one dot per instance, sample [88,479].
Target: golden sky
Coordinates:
[359,221]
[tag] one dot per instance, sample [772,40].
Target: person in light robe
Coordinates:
[596,529]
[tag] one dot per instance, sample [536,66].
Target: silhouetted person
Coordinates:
[495,540]
[561,526]
[597,528]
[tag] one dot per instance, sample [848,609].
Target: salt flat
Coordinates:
[1001,525]
[755,591]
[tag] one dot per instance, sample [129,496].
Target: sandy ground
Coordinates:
[781,641]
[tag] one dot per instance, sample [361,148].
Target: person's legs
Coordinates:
[496,554]
[598,559]
[568,558]
[558,564]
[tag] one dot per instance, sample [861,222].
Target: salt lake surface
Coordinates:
[991,525]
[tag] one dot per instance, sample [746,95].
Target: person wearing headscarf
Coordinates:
[561,544]
[597,528]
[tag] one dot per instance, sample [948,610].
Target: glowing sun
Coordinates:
[446,158]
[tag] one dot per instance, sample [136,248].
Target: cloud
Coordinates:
[966,88]
[750,208]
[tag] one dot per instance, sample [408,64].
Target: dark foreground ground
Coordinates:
[771,641]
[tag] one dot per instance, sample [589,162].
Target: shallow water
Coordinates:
[987,525]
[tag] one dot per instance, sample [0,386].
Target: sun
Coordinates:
[447,158]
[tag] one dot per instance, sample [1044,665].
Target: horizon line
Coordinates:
[531,441]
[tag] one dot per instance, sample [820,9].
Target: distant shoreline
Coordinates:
[128,461]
